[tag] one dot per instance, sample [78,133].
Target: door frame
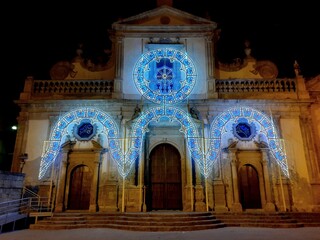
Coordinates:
[253,158]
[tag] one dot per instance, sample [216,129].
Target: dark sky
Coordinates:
[38,34]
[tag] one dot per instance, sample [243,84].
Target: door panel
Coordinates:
[249,188]
[165,172]
[80,186]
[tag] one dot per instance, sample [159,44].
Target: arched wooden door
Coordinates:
[79,190]
[165,180]
[249,187]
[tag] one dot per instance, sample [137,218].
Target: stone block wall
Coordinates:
[11,186]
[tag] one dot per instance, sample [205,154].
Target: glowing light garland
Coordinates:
[267,129]
[204,159]
[163,76]
[59,132]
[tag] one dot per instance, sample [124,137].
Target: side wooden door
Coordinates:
[79,191]
[249,187]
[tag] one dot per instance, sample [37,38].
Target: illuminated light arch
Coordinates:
[267,129]
[110,129]
[140,127]
[165,75]
[59,134]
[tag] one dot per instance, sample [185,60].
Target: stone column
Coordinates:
[188,189]
[311,156]
[306,128]
[210,66]
[236,206]
[200,205]
[118,81]
[269,207]
[20,144]
[94,185]
[61,183]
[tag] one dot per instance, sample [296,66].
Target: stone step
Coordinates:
[129,227]
[309,219]
[137,223]
[258,219]
[128,221]
[263,224]
[176,221]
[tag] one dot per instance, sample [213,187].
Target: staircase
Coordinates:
[176,221]
[259,219]
[151,221]
[310,219]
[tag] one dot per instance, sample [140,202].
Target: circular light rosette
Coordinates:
[165,75]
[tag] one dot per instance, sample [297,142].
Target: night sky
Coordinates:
[38,34]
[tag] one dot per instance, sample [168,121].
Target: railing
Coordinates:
[12,211]
[71,87]
[50,89]
[256,85]
[27,193]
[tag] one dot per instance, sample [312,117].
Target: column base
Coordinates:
[270,207]
[236,207]
[221,209]
[93,208]
[200,207]
[59,208]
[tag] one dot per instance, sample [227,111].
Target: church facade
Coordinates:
[163,125]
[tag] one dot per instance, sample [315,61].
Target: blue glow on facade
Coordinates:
[66,124]
[205,154]
[165,75]
[267,129]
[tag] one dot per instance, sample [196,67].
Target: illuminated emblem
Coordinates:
[85,131]
[243,130]
[165,75]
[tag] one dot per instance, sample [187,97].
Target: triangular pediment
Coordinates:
[164,16]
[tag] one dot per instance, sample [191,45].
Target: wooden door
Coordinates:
[249,187]
[79,191]
[165,170]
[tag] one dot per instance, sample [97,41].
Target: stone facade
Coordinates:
[236,136]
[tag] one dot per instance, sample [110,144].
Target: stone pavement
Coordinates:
[227,233]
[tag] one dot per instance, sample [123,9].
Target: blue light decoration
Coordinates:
[244,130]
[81,118]
[85,130]
[165,75]
[188,127]
[247,115]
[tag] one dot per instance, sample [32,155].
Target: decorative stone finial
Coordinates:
[296,68]
[247,49]
[79,51]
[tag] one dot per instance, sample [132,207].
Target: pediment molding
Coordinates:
[164,17]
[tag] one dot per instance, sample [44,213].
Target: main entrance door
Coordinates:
[79,191]
[249,187]
[165,180]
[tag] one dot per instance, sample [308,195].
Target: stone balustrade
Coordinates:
[70,87]
[228,88]
[256,85]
